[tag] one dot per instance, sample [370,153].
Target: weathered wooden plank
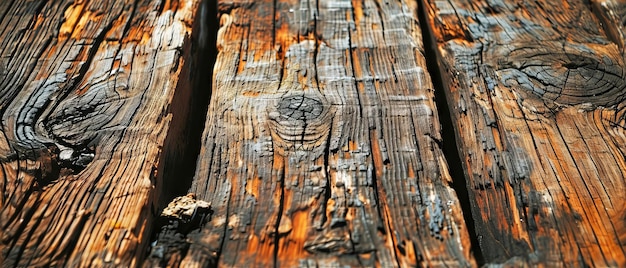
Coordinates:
[612,14]
[537,90]
[85,90]
[321,145]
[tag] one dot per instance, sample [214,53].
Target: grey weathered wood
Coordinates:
[537,90]
[321,142]
[85,90]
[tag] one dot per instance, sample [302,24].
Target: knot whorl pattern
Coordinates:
[299,108]
[565,74]
[300,121]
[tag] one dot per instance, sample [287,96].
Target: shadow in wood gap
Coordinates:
[449,143]
[181,148]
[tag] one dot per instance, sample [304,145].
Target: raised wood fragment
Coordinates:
[85,90]
[183,215]
[537,92]
[321,144]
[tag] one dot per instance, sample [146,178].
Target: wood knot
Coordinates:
[564,74]
[299,108]
[300,121]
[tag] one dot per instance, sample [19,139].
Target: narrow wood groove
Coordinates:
[448,142]
[281,208]
[182,143]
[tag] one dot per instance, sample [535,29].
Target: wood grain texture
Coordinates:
[537,90]
[321,145]
[85,90]
[612,16]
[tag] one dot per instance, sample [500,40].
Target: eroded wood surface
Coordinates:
[85,89]
[321,142]
[537,90]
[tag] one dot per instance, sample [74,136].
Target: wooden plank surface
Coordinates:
[85,90]
[321,145]
[536,90]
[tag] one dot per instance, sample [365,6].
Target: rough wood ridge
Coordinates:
[85,89]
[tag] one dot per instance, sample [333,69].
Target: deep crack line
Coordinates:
[181,147]
[449,143]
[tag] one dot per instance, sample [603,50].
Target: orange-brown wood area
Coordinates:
[536,91]
[312,133]
[321,142]
[85,95]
